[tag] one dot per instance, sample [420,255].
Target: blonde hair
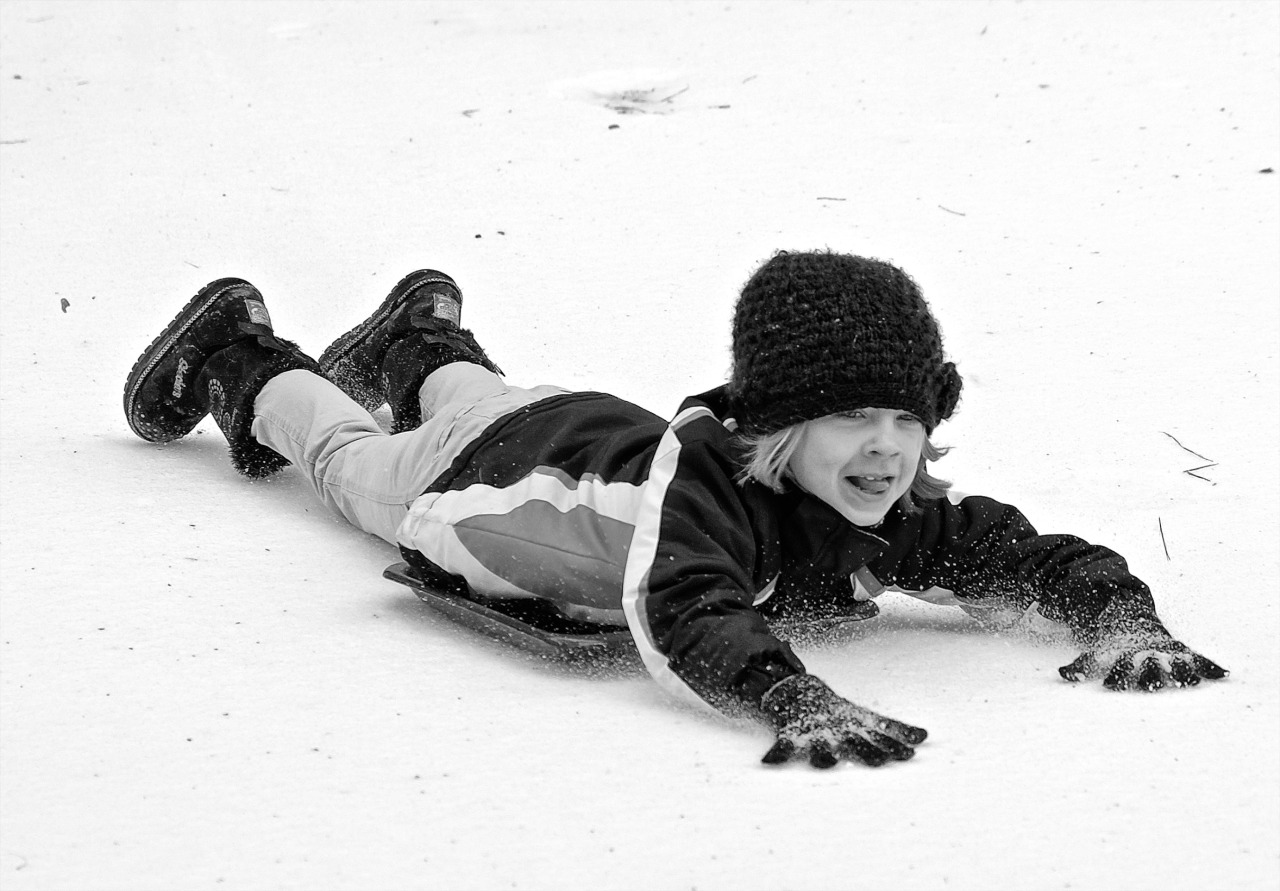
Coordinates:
[767,458]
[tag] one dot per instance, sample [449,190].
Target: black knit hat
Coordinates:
[820,333]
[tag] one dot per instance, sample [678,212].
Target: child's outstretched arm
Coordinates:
[984,551]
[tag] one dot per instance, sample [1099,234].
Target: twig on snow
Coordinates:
[1192,471]
[1160,523]
[1185,449]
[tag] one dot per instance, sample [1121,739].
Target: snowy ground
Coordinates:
[206,683]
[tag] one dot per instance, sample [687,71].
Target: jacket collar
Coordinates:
[815,538]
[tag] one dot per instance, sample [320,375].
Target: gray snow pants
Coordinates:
[359,471]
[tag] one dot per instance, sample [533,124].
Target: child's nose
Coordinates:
[883,440]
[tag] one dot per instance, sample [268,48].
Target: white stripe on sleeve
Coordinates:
[643,552]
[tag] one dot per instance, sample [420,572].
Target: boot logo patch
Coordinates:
[180,379]
[448,309]
[257,312]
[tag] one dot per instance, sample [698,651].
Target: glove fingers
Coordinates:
[812,722]
[1084,666]
[1160,664]
[782,751]
[1121,675]
[904,733]
[1151,675]
[1207,668]
[1184,673]
[896,750]
[821,756]
[859,749]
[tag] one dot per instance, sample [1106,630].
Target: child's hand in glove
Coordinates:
[1138,662]
[812,721]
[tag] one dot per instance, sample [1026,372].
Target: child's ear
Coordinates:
[949,395]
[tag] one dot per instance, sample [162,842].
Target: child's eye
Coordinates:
[909,419]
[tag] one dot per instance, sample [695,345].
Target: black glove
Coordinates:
[812,720]
[1143,663]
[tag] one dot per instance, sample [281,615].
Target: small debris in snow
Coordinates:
[65,304]
[1192,471]
[632,91]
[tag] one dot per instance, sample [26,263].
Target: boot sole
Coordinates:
[360,384]
[142,369]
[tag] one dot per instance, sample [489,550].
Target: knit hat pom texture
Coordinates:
[819,333]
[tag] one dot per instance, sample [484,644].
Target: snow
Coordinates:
[206,682]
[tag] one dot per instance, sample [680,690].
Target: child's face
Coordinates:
[859,462]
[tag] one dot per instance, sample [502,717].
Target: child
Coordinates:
[799,490]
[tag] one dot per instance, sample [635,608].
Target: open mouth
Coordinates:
[873,484]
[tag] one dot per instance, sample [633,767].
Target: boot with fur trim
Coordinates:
[215,356]
[411,358]
[413,332]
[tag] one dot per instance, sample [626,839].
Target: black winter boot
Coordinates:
[412,333]
[409,361]
[214,357]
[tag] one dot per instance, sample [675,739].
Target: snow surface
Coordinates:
[206,682]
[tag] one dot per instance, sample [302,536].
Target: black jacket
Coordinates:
[619,518]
